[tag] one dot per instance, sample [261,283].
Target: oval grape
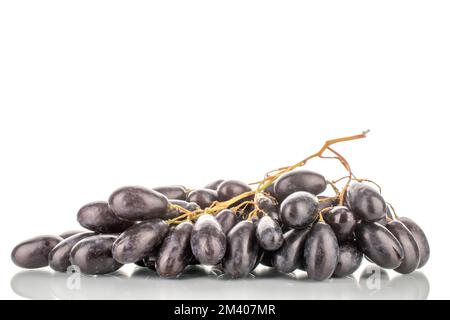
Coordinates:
[175,253]
[299,180]
[137,242]
[269,234]
[411,258]
[93,255]
[59,257]
[208,241]
[421,240]
[299,210]
[33,253]
[138,203]
[98,217]
[242,250]
[379,244]
[321,252]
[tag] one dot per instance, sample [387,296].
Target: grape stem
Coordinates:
[271,176]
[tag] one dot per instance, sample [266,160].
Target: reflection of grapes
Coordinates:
[285,222]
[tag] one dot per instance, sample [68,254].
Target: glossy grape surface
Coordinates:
[59,257]
[98,217]
[411,258]
[137,242]
[231,188]
[287,258]
[349,259]
[33,253]
[175,253]
[342,221]
[366,202]
[227,220]
[421,240]
[269,234]
[321,252]
[70,233]
[93,255]
[203,197]
[138,203]
[299,210]
[242,250]
[299,180]
[379,244]
[208,241]
[175,192]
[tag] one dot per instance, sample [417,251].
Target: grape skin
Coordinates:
[93,255]
[299,210]
[208,241]
[269,234]
[287,258]
[59,257]
[379,244]
[421,239]
[242,250]
[321,252]
[411,258]
[138,241]
[175,253]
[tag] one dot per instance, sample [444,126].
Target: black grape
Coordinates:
[208,241]
[299,210]
[342,221]
[287,258]
[349,260]
[175,253]
[269,234]
[366,202]
[321,252]
[411,258]
[138,241]
[242,250]
[379,244]
[299,180]
[421,240]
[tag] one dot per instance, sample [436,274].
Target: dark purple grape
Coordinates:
[231,188]
[342,221]
[214,184]
[137,204]
[59,257]
[366,202]
[174,212]
[227,220]
[93,255]
[379,244]
[208,241]
[203,197]
[349,260]
[287,258]
[299,210]
[411,259]
[269,234]
[175,192]
[321,252]
[242,250]
[175,253]
[70,233]
[299,180]
[33,253]
[137,242]
[98,217]
[421,240]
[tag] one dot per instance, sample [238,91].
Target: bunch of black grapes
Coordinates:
[295,228]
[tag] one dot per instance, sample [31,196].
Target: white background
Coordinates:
[99,94]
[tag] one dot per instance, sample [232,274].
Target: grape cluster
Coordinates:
[285,222]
